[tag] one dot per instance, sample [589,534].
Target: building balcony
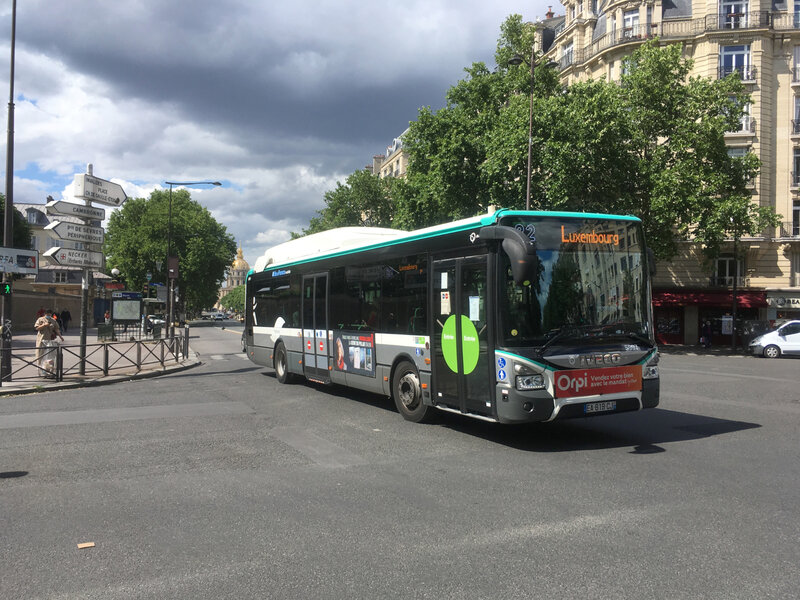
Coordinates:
[747,126]
[747,73]
[743,20]
[790,229]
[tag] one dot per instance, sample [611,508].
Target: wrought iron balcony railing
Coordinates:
[747,73]
[790,229]
[717,281]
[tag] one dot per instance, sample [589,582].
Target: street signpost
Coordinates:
[70,209]
[14,260]
[75,258]
[93,189]
[77,233]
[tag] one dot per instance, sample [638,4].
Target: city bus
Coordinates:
[509,317]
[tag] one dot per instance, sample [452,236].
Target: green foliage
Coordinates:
[136,240]
[363,200]
[234,300]
[21,234]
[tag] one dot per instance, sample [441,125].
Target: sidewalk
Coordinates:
[28,380]
[698,350]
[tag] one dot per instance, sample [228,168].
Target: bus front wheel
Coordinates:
[282,365]
[407,394]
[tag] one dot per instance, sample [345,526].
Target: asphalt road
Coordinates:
[217,482]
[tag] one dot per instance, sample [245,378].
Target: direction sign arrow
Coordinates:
[70,209]
[75,258]
[91,188]
[76,233]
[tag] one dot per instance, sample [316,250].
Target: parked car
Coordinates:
[784,340]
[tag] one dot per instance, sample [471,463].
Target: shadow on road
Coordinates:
[642,431]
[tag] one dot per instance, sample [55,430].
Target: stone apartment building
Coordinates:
[760,41]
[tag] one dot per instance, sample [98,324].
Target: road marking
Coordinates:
[321,451]
[106,415]
[727,375]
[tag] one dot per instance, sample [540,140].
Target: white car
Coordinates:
[784,340]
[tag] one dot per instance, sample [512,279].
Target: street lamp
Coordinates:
[517,60]
[172,262]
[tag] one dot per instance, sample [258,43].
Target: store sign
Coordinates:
[783,301]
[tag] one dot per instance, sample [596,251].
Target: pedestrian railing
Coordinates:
[76,362]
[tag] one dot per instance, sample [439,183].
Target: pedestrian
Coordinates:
[705,331]
[47,330]
[66,317]
[107,317]
[41,312]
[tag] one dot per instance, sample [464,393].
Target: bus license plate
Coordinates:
[595,407]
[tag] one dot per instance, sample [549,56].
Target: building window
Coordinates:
[736,59]
[32,216]
[725,269]
[738,152]
[796,168]
[630,24]
[796,219]
[732,14]
[59,276]
[745,121]
[567,55]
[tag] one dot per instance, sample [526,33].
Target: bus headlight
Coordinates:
[650,372]
[530,382]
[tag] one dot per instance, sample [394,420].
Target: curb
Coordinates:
[108,380]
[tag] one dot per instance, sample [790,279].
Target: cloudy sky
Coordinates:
[278,100]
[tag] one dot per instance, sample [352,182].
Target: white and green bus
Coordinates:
[511,317]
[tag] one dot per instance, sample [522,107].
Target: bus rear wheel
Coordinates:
[407,394]
[282,365]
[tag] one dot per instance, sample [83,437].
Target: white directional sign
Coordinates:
[105,192]
[70,209]
[13,260]
[75,258]
[76,233]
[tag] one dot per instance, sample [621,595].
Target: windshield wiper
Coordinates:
[640,338]
[561,334]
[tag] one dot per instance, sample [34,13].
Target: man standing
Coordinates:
[66,317]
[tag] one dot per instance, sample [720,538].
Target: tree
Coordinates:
[686,185]
[234,300]
[136,244]
[363,200]
[21,236]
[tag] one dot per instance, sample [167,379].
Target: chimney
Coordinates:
[549,14]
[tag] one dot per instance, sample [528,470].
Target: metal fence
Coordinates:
[60,362]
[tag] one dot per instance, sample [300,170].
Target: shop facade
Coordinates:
[680,315]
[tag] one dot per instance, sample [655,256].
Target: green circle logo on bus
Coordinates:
[470,346]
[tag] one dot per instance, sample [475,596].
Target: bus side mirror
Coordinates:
[651,261]
[520,249]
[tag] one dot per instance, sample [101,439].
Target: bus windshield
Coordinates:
[590,284]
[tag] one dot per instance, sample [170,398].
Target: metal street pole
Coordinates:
[8,214]
[518,60]
[172,266]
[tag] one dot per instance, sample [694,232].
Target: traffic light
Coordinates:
[146,290]
[5,289]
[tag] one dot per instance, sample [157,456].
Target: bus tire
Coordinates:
[407,394]
[281,365]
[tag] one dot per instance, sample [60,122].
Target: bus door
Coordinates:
[315,327]
[461,374]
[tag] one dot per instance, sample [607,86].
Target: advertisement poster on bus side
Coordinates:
[354,352]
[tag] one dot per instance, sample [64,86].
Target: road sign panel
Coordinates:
[70,209]
[98,190]
[76,233]
[14,260]
[75,258]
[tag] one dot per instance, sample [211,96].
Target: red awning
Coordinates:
[745,299]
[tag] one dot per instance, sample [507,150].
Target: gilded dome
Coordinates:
[239,262]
